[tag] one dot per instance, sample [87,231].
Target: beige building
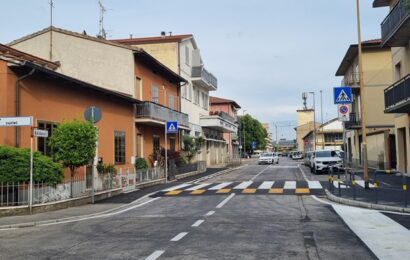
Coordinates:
[268,139]
[396,35]
[304,126]
[329,136]
[377,75]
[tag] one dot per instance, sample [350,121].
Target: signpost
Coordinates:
[342,95]
[344,112]
[40,133]
[93,115]
[171,127]
[253,145]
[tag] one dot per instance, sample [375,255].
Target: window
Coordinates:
[172,144]
[171,102]
[186,55]
[397,71]
[42,145]
[156,143]
[196,96]
[154,94]
[138,89]
[183,91]
[119,147]
[333,137]
[205,100]
[189,91]
[139,145]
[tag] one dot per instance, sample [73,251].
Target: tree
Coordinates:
[73,144]
[192,146]
[252,130]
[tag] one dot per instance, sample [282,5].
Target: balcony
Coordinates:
[354,122]
[351,80]
[155,114]
[220,121]
[397,97]
[396,26]
[204,78]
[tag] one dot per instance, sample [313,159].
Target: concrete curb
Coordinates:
[362,204]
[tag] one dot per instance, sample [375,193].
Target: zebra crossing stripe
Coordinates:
[313,185]
[266,185]
[302,191]
[197,187]
[223,191]
[220,186]
[289,185]
[243,185]
[249,191]
[197,192]
[276,191]
[173,192]
[177,187]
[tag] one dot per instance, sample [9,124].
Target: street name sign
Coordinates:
[16,121]
[344,112]
[342,95]
[172,127]
[40,132]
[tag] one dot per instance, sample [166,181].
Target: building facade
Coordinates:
[268,139]
[329,136]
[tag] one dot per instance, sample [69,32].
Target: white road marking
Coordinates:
[197,187]
[314,185]
[386,238]
[243,185]
[177,187]
[220,186]
[284,167]
[266,185]
[342,186]
[179,236]
[155,255]
[198,222]
[361,183]
[220,205]
[289,185]
[303,173]
[259,173]
[210,213]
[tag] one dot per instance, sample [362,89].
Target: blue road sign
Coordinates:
[172,127]
[342,95]
[253,144]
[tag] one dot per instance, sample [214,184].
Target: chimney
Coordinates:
[163,34]
[130,36]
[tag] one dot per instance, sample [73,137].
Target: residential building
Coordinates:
[377,74]
[305,124]
[31,86]
[268,138]
[123,69]
[284,145]
[228,110]
[182,55]
[329,136]
[396,35]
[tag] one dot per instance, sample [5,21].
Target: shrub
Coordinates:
[15,166]
[141,163]
[106,168]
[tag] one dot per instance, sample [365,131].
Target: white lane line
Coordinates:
[198,222]
[266,185]
[386,238]
[361,183]
[197,187]
[210,213]
[290,185]
[284,167]
[259,173]
[220,186]
[155,255]
[177,187]
[314,185]
[220,205]
[243,185]
[179,236]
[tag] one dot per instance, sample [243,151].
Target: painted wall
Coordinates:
[166,53]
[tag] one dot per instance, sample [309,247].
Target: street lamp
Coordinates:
[243,131]
[314,120]
[276,142]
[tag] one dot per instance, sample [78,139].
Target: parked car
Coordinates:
[268,158]
[321,160]
[297,155]
[307,157]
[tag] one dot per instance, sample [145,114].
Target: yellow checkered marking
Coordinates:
[197,192]
[173,192]
[302,191]
[223,191]
[249,191]
[276,191]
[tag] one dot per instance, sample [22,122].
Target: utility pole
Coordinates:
[276,141]
[362,107]
[321,107]
[314,120]
[243,131]
[51,30]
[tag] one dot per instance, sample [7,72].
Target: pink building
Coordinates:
[227,109]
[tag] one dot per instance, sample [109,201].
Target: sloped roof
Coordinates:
[218,100]
[157,39]
[381,3]
[7,53]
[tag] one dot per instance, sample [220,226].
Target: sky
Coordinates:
[265,53]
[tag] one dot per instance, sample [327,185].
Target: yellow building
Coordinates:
[304,126]
[377,75]
[396,35]
[329,136]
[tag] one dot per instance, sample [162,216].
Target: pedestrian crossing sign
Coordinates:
[342,95]
[172,127]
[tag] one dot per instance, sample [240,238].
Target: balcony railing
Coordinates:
[397,96]
[223,115]
[352,79]
[394,20]
[157,112]
[354,121]
[206,77]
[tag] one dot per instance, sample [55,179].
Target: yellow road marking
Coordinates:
[223,191]
[173,192]
[276,191]
[302,191]
[249,191]
[196,192]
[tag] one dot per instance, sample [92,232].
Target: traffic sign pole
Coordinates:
[166,153]
[31,172]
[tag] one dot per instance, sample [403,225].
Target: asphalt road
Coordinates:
[219,226]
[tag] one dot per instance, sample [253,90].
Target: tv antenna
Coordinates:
[102,32]
[51,3]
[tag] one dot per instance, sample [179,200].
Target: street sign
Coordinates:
[172,127]
[92,114]
[342,95]
[253,144]
[16,121]
[40,133]
[344,112]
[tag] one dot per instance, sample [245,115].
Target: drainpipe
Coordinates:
[18,102]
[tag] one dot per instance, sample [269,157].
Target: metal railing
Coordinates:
[352,79]
[354,121]
[201,72]
[397,15]
[397,93]
[224,116]
[155,111]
